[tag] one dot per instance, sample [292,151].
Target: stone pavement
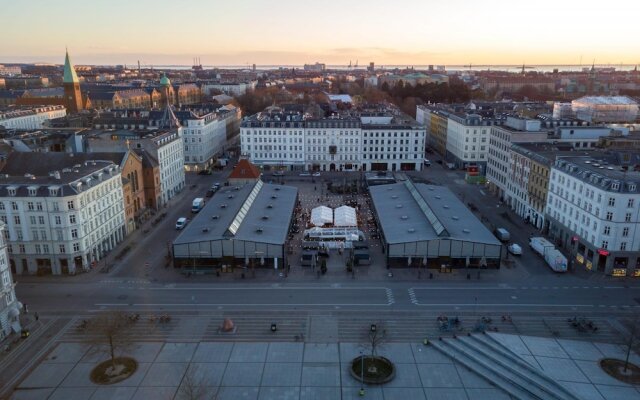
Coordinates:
[288,370]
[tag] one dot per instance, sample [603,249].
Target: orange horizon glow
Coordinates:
[287,32]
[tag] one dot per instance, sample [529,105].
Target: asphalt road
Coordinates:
[133,296]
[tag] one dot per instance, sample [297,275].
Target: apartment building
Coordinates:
[468,139]
[363,140]
[435,120]
[594,211]
[63,213]
[29,117]
[9,305]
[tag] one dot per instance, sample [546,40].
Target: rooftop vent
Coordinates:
[270,206]
[274,196]
[438,197]
[395,196]
[398,205]
[404,217]
[587,162]
[455,217]
[446,206]
[465,230]
[223,206]
[390,188]
[215,217]
[205,230]
[411,230]
[230,196]
[277,188]
[259,230]
[265,217]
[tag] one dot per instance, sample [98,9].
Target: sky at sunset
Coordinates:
[286,32]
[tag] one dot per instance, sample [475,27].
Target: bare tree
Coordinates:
[193,386]
[109,333]
[376,337]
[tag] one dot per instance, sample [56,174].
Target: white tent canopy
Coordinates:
[345,216]
[321,216]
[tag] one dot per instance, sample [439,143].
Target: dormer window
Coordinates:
[53,191]
[632,187]
[33,191]
[615,186]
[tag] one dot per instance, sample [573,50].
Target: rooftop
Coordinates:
[605,169]
[255,212]
[607,100]
[411,212]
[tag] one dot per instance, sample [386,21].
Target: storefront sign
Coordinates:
[580,258]
[589,265]
[636,273]
[619,272]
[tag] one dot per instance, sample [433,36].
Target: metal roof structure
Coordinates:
[410,212]
[256,212]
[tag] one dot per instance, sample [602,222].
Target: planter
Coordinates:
[102,374]
[615,368]
[377,370]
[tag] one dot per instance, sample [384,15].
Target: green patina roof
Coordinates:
[164,81]
[69,73]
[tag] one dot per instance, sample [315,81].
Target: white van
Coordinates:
[180,223]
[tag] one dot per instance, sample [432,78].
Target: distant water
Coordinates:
[508,68]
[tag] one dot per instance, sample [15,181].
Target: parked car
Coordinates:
[515,249]
[316,174]
[181,223]
[305,174]
[427,163]
[502,234]
[210,193]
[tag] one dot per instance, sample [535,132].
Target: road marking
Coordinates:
[238,304]
[273,288]
[514,297]
[504,305]
[390,299]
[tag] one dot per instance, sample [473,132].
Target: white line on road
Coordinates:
[505,305]
[237,304]
[272,288]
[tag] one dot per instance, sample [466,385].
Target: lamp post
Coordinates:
[361,393]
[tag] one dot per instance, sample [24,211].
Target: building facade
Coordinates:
[30,117]
[358,141]
[593,207]
[9,305]
[60,221]
[468,140]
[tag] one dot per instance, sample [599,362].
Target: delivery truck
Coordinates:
[553,257]
[197,205]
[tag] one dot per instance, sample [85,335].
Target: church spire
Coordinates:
[69,71]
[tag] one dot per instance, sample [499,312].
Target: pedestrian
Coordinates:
[26,309]
[37,316]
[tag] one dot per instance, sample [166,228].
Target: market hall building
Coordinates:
[426,226]
[240,226]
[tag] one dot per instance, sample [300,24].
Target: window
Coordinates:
[74,233]
[62,249]
[609,216]
[70,204]
[627,217]
[1,205]
[76,247]
[58,220]
[605,244]
[625,231]
[623,246]
[38,249]
[16,219]
[41,220]
[630,203]
[21,249]
[612,201]
[607,230]
[30,206]
[14,206]
[72,218]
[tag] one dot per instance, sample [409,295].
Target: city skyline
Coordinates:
[248,32]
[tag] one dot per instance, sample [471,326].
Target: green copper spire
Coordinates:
[164,81]
[69,73]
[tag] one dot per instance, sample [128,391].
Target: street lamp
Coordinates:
[361,393]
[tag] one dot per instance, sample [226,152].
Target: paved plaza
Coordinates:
[294,370]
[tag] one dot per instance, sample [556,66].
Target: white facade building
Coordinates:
[360,142]
[60,221]
[232,89]
[468,140]
[206,134]
[9,305]
[594,209]
[30,117]
[599,109]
